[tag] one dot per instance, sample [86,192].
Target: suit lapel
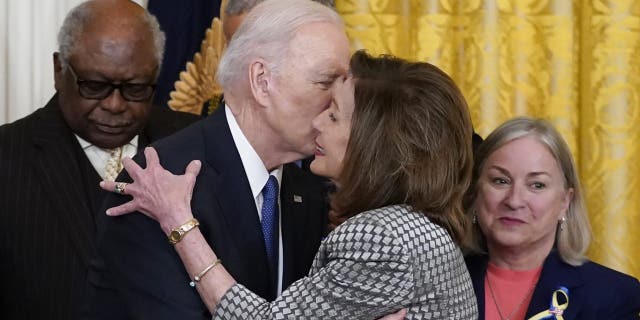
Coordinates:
[56,163]
[143,140]
[223,184]
[295,201]
[556,273]
[91,179]
[477,266]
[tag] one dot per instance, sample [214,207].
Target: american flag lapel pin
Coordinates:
[297,198]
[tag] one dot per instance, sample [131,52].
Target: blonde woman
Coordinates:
[532,231]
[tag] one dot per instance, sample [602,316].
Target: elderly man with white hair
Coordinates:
[277,75]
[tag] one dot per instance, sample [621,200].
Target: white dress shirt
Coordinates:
[257,175]
[98,156]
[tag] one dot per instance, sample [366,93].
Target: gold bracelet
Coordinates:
[178,232]
[197,278]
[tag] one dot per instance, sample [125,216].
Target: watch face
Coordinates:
[174,236]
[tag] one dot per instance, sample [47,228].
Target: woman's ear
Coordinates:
[566,201]
[260,81]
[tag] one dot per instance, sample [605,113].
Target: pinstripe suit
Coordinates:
[373,264]
[48,197]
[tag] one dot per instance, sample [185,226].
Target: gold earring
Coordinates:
[562,221]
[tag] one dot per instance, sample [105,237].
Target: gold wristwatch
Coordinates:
[178,232]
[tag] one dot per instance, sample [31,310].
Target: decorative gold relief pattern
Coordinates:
[573,62]
[610,130]
[509,57]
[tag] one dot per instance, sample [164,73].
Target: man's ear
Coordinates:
[57,71]
[260,77]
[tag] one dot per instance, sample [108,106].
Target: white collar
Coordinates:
[86,144]
[99,157]
[257,173]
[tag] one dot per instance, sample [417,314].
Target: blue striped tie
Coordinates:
[270,225]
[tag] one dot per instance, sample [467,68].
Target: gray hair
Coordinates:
[572,241]
[266,32]
[236,7]
[81,15]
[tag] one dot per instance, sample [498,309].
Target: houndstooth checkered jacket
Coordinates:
[373,264]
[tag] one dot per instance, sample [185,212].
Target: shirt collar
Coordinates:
[86,144]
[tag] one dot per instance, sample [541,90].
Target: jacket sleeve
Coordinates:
[365,273]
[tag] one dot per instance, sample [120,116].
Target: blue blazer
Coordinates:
[146,271]
[595,291]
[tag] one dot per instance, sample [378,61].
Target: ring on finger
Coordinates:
[120,187]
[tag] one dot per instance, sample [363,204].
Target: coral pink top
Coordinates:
[512,291]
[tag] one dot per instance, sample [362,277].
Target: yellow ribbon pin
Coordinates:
[556,310]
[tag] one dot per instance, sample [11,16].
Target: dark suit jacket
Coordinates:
[145,268]
[595,292]
[48,196]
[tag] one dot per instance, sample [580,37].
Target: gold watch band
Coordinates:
[178,232]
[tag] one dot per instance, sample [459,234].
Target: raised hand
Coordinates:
[156,192]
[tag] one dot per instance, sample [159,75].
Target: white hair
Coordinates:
[266,32]
[81,15]
[236,7]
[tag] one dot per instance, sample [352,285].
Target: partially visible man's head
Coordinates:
[235,7]
[286,56]
[104,44]
[236,10]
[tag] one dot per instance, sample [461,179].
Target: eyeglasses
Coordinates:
[98,90]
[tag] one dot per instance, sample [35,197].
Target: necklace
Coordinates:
[495,301]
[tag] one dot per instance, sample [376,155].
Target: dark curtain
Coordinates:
[184,23]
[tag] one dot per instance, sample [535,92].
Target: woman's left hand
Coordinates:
[156,192]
